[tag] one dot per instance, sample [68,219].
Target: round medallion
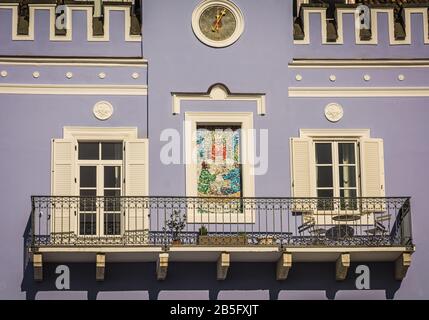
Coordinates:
[217,23]
[3,73]
[36,74]
[103,110]
[334,112]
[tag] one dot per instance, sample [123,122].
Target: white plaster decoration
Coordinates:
[102,75]
[298,77]
[332,78]
[135,75]
[367,77]
[70,8]
[76,61]
[408,12]
[219,93]
[235,10]
[3,73]
[36,74]
[401,77]
[334,112]
[67,89]
[353,64]
[69,75]
[357,92]
[103,110]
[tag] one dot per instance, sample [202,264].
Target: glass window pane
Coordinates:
[88,200]
[112,177]
[348,193]
[348,204]
[325,204]
[346,153]
[88,151]
[324,177]
[88,177]
[325,193]
[348,177]
[111,151]
[88,224]
[112,200]
[323,153]
[112,223]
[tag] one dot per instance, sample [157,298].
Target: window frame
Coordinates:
[245,121]
[95,134]
[100,164]
[333,135]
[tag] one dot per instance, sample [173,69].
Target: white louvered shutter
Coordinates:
[136,187]
[301,173]
[372,174]
[63,185]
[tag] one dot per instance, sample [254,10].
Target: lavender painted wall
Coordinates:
[178,62]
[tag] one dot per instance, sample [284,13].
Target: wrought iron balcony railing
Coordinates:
[166,221]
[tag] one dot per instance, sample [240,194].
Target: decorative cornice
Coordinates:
[357,92]
[132,62]
[219,92]
[70,8]
[358,64]
[340,12]
[82,89]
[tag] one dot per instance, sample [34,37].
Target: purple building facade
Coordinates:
[214,149]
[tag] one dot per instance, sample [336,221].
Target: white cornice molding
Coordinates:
[324,133]
[340,12]
[78,89]
[358,64]
[357,92]
[69,10]
[104,133]
[131,62]
[219,93]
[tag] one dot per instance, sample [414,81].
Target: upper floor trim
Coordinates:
[123,62]
[80,89]
[357,64]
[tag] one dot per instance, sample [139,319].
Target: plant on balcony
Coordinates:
[239,239]
[175,225]
[202,231]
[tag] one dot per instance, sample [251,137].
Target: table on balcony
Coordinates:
[340,232]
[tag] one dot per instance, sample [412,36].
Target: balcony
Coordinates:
[162,229]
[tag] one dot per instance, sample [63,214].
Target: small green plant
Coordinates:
[175,225]
[202,231]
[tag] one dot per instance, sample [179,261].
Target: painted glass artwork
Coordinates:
[219,168]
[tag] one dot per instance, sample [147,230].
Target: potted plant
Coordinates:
[175,225]
[203,238]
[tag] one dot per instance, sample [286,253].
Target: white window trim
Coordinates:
[94,134]
[321,134]
[100,133]
[334,133]
[245,120]
[219,92]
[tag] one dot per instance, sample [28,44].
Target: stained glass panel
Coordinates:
[218,157]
